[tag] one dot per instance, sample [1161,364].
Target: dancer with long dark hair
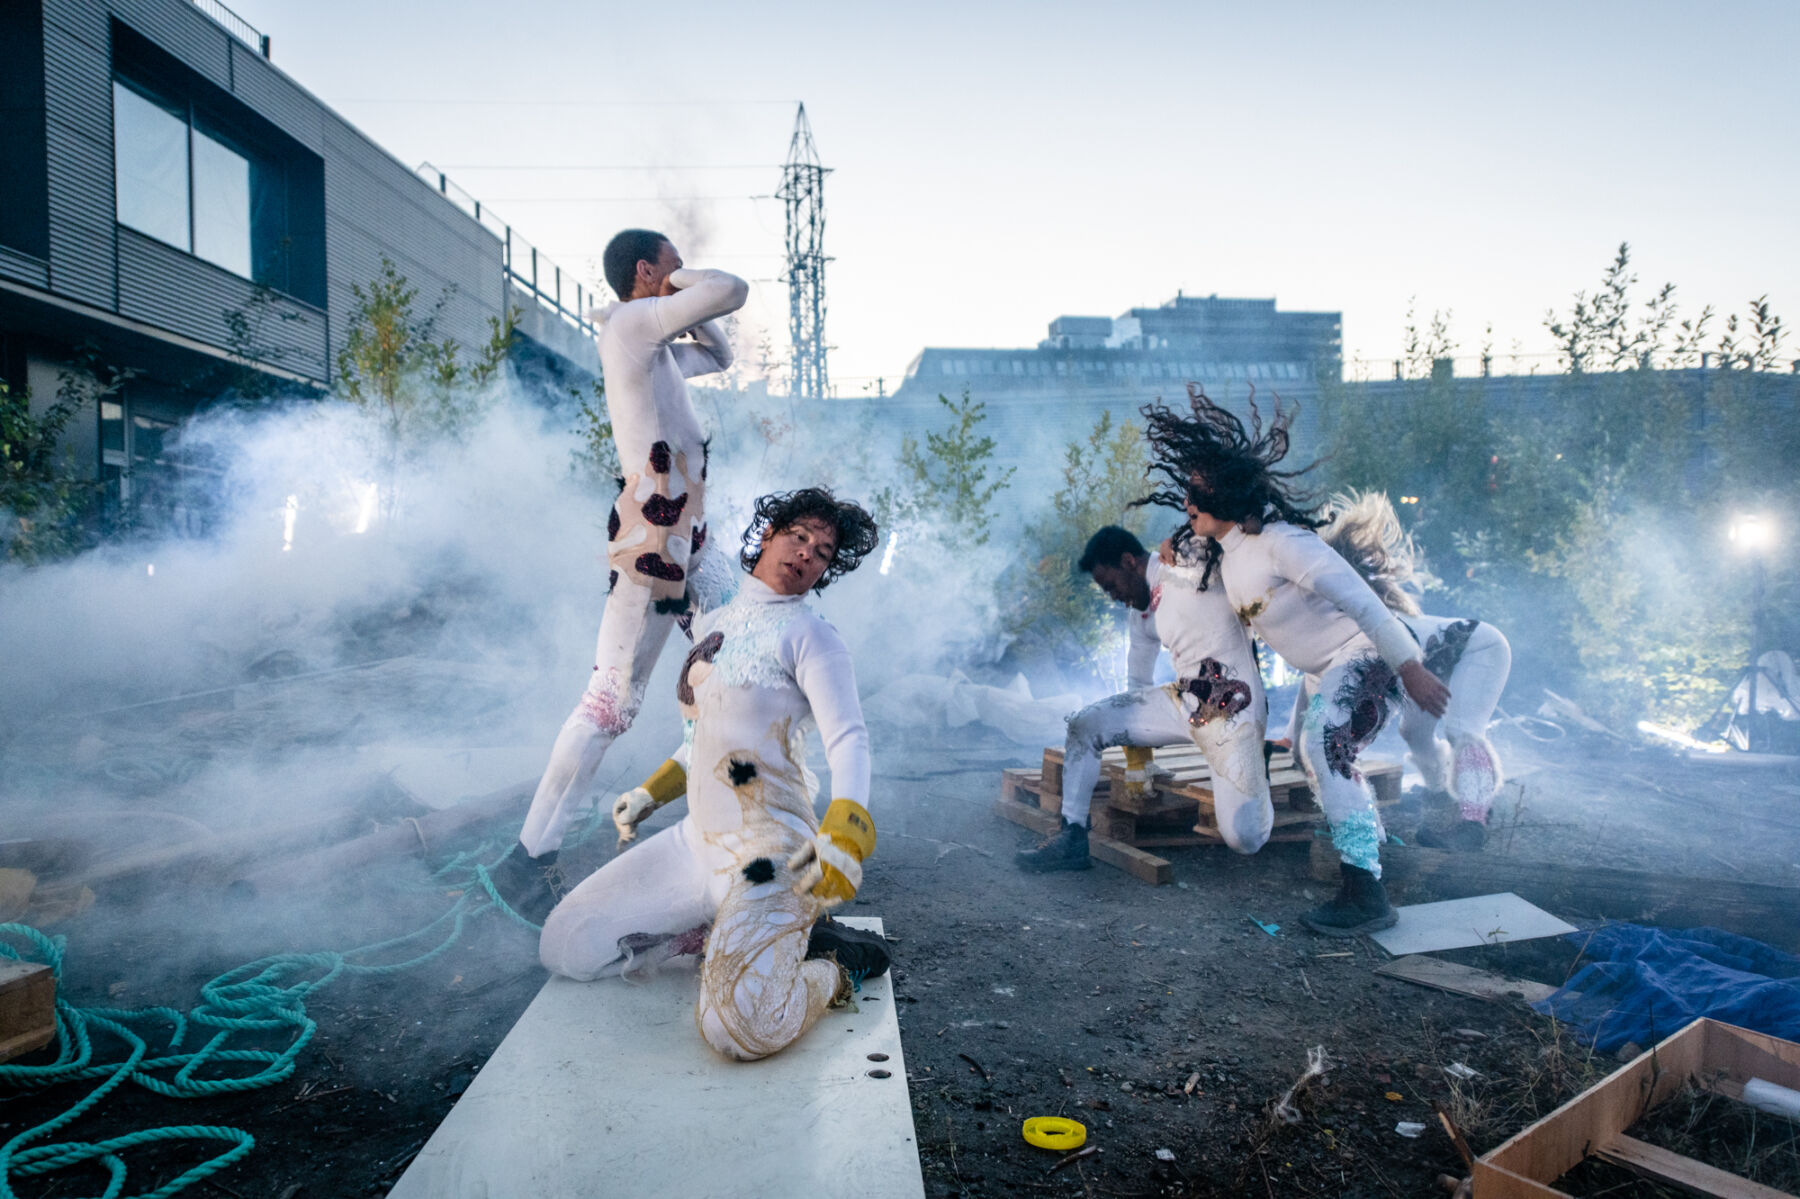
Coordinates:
[1310,606]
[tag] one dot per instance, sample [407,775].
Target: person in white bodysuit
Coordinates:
[663,331]
[1457,763]
[1216,702]
[744,876]
[1311,607]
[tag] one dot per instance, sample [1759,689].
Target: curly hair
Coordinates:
[1226,470]
[857,533]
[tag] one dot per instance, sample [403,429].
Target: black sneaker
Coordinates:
[863,954]
[1361,906]
[1458,836]
[1067,850]
[530,886]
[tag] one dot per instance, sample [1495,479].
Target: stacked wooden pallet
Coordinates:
[1176,810]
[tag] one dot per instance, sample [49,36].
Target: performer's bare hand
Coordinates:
[1425,688]
[1166,551]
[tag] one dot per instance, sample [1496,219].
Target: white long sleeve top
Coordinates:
[1193,625]
[1306,602]
[764,671]
[646,368]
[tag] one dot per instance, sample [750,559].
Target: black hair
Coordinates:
[856,532]
[618,262]
[1107,547]
[1223,468]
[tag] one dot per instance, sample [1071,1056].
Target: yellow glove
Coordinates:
[1139,771]
[830,865]
[668,784]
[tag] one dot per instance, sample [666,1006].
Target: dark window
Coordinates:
[196,169]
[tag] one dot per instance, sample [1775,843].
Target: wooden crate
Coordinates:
[27,1007]
[1709,1055]
[1178,812]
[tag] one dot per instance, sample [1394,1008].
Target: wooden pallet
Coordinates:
[1177,812]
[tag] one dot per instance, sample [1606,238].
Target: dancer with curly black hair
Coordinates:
[1309,606]
[746,877]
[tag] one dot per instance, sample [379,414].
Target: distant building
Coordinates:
[1145,353]
[159,174]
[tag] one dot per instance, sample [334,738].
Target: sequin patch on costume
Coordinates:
[1220,694]
[1369,686]
[751,655]
[1443,650]
[1357,838]
[605,707]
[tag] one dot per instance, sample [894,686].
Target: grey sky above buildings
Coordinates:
[997,165]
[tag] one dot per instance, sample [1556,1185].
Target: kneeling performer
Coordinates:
[745,875]
[1216,702]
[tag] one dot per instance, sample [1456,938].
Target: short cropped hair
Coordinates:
[856,532]
[618,262]
[1108,547]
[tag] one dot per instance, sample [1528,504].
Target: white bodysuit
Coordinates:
[1216,703]
[763,672]
[656,533]
[1310,606]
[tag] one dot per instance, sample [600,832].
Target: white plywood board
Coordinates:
[1460,923]
[605,1088]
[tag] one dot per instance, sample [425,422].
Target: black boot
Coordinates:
[864,954]
[1458,835]
[1067,850]
[1361,906]
[530,886]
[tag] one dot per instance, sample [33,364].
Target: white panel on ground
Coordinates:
[1459,923]
[606,1088]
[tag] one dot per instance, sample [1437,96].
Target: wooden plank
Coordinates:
[1144,866]
[1035,819]
[1740,1055]
[27,1007]
[1660,1165]
[1764,911]
[1464,980]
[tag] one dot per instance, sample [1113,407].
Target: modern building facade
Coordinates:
[1146,352]
[174,203]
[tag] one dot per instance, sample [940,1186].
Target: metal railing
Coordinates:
[523,263]
[235,25]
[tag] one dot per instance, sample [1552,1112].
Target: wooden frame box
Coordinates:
[27,1007]
[1713,1056]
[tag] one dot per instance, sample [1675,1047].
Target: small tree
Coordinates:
[951,482]
[1053,610]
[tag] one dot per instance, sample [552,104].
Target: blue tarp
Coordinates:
[1643,984]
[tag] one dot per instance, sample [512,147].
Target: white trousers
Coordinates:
[1350,704]
[1156,717]
[655,901]
[632,633]
[1452,753]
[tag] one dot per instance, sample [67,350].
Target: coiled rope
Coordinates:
[267,995]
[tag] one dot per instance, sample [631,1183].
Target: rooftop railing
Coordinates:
[239,28]
[523,263]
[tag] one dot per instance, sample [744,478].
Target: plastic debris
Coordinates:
[1458,1070]
[1165,1155]
[1409,1129]
[1393,1096]
[1317,1063]
[1271,929]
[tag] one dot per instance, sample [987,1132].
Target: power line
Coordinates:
[646,168]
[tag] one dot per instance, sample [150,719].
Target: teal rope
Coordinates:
[267,995]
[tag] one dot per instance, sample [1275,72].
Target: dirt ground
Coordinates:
[1165,1019]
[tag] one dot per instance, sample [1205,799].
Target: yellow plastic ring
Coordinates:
[1054,1132]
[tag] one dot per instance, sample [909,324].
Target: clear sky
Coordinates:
[999,164]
